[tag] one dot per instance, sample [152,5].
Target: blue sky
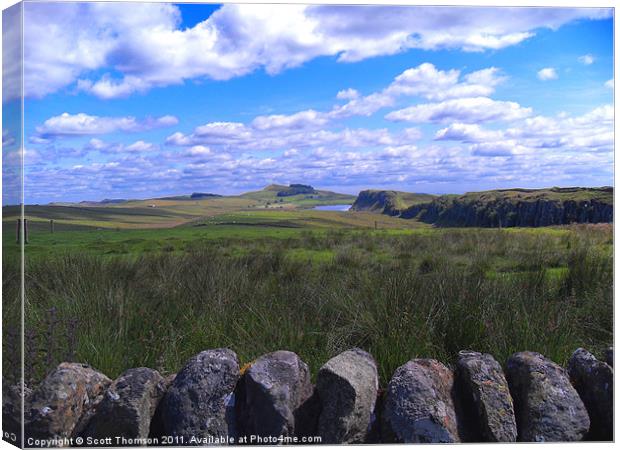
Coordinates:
[144,100]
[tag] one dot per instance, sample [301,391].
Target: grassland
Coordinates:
[116,293]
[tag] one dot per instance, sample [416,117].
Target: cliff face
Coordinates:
[383,202]
[522,214]
[391,203]
[517,208]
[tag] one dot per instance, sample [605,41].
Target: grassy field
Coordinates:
[256,279]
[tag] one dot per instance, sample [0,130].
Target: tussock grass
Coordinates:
[398,296]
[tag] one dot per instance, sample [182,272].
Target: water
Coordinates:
[332,207]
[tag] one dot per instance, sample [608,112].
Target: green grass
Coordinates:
[120,299]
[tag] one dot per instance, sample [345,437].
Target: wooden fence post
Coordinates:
[18,229]
[52,226]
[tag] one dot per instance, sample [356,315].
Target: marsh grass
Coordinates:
[398,296]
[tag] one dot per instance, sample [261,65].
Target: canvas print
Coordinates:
[229,224]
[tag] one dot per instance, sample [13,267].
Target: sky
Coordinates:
[141,100]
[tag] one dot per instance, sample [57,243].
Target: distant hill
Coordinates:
[296,189]
[106,201]
[299,194]
[392,203]
[517,208]
[194,196]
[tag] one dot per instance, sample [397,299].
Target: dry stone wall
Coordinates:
[212,401]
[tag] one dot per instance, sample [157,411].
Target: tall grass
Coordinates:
[397,296]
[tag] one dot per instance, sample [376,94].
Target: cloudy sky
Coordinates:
[143,100]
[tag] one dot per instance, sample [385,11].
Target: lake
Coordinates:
[332,207]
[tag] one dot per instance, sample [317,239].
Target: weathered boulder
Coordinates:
[128,406]
[58,403]
[484,393]
[609,356]
[12,411]
[419,407]
[347,388]
[270,394]
[594,381]
[199,404]
[547,407]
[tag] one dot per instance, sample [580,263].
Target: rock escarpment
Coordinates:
[391,203]
[272,401]
[501,208]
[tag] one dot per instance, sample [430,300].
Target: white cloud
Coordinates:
[548,73]
[11,52]
[467,133]
[83,124]
[97,144]
[609,84]
[7,138]
[347,94]
[144,44]
[199,150]
[424,81]
[107,88]
[466,110]
[589,132]
[586,59]
[362,106]
[300,120]
[253,139]
[141,147]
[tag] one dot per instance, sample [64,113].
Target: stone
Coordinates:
[58,403]
[547,407]
[418,406]
[127,406]
[157,430]
[271,392]
[482,386]
[12,411]
[199,405]
[609,356]
[347,389]
[594,381]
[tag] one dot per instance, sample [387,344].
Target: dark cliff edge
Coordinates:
[391,203]
[513,208]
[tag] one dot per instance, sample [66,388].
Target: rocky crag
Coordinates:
[391,203]
[272,401]
[503,208]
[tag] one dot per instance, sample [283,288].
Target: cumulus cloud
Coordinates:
[548,73]
[141,147]
[465,132]
[424,81]
[590,132]
[7,138]
[347,94]
[141,45]
[82,124]
[255,139]
[300,120]
[586,59]
[12,55]
[609,84]
[466,110]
